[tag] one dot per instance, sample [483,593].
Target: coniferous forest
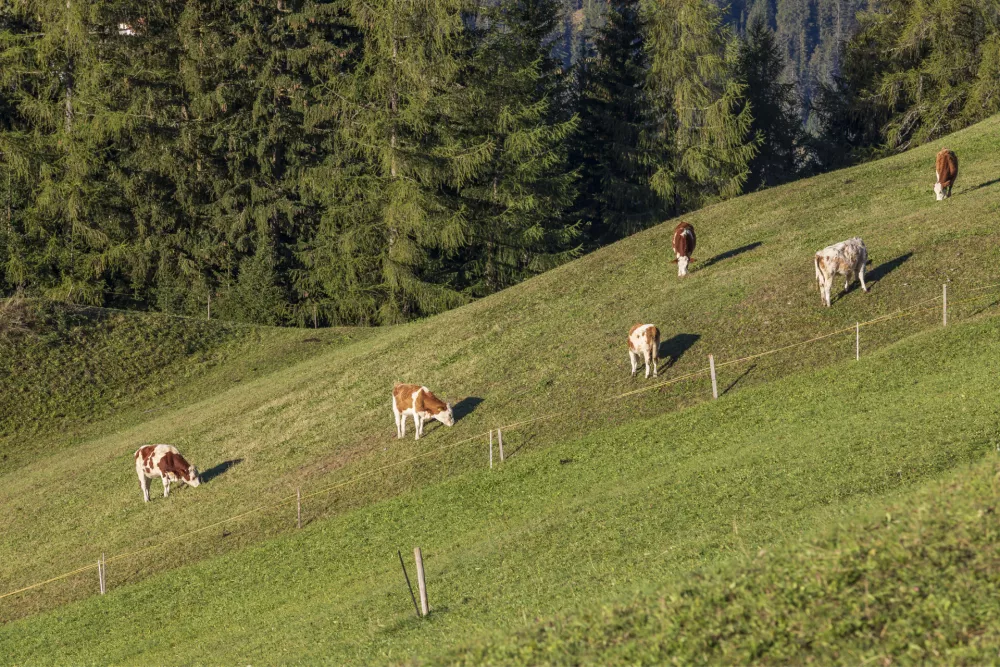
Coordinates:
[368,162]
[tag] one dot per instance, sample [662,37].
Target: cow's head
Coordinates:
[682,265]
[939,191]
[445,416]
[193,478]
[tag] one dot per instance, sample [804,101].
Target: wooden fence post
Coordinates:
[715,386]
[408,585]
[101,572]
[944,305]
[857,341]
[491,449]
[421,582]
[500,439]
[298,506]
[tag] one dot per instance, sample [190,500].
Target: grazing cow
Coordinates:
[421,404]
[644,343]
[946,167]
[683,246]
[165,462]
[847,258]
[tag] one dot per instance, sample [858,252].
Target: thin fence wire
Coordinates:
[914,308]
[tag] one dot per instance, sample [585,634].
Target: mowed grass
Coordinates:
[314,415]
[588,524]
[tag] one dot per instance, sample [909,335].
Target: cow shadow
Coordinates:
[729,254]
[674,347]
[884,269]
[465,407]
[982,185]
[215,471]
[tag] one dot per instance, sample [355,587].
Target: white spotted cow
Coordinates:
[847,258]
[644,344]
[165,462]
[946,166]
[418,402]
[683,243]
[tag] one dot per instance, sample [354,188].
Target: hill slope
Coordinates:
[552,345]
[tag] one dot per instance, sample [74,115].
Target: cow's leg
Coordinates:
[402,424]
[861,277]
[418,425]
[649,360]
[655,369]
[395,413]
[632,358]
[826,290]
[144,485]
[166,487]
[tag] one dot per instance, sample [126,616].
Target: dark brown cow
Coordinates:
[165,462]
[946,167]
[683,242]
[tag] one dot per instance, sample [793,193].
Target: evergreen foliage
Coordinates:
[773,106]
[617,149]
[920,70]
[513,116]
[703,124]
[373,161]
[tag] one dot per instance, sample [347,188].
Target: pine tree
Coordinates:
[704,125]
[515,200]
[773,105]
[616,147]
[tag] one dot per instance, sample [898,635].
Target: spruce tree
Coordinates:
[387,226]
[773,106]
[515,198]
[916,71]
[703,124]
[617,148]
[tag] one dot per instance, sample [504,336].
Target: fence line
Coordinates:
[325,490]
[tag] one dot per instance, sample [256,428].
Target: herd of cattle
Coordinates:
[847,258]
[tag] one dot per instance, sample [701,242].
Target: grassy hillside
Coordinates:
[318,415]
[603,516]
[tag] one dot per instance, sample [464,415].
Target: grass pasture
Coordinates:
[612,499]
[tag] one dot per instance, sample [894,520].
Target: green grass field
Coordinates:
[600,512]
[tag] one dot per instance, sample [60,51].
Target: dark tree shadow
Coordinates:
[674,348]
[885,268]
[982,185]
[465,407]
[215,471]
[730,254]
[739,379]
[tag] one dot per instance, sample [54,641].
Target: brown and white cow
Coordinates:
[946,167]
[419,403]
[847,258]
[644,344]
[165,462]
[683,243]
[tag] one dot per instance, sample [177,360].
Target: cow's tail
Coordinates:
[819,274]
